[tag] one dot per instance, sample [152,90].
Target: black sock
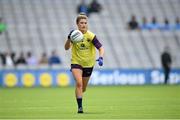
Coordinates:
[79,102]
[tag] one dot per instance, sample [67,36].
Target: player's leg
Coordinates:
[86,76]
[77,73]
[85,83]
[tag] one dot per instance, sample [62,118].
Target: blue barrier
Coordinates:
[63,77]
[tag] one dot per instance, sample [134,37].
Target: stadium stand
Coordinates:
[42,26]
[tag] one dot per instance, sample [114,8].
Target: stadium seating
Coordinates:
[43,25]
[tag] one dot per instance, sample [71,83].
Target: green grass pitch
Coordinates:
[105,102]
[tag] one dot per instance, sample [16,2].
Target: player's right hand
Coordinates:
[70,34]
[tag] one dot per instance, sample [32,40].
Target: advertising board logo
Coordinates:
[45,79]
[10,80]
[28,80]
[63,79]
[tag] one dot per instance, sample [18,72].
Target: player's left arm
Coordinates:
[101,51]
[99,46]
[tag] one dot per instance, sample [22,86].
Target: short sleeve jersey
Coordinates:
[84,53]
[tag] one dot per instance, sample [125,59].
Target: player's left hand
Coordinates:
[100,61]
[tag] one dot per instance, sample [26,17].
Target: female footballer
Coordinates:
[83,57]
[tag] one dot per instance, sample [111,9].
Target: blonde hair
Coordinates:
[81,16]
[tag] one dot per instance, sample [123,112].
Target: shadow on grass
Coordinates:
[92,113]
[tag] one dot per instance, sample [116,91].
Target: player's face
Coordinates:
[82,25]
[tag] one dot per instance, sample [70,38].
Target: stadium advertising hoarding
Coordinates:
[132,77]
[31,78]
[48,78]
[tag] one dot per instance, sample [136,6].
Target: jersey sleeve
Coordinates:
[96,42]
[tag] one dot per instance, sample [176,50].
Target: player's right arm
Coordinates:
[67,44]
[68,41]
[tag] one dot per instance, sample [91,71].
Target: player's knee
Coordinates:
[79,85]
